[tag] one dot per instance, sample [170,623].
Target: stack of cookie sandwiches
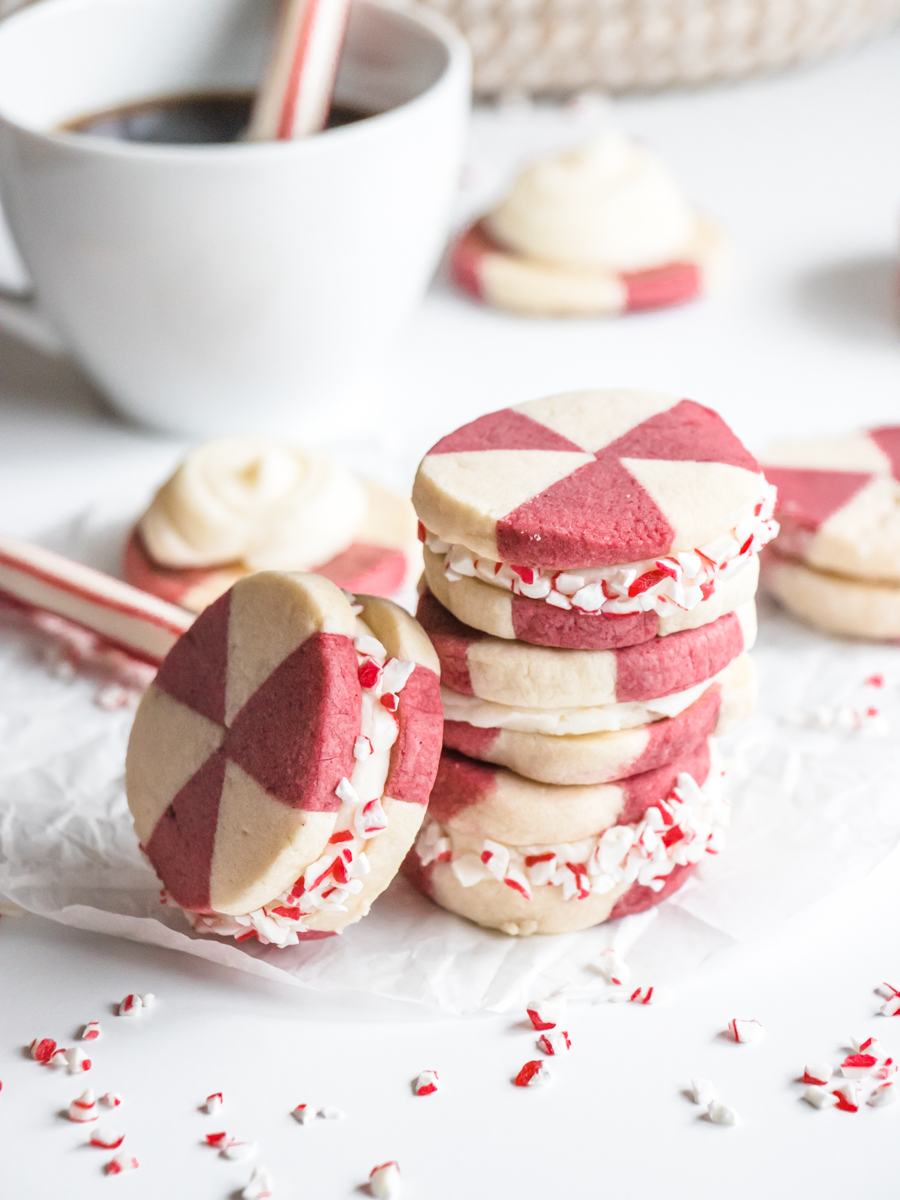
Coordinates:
[836,563]
[591,562]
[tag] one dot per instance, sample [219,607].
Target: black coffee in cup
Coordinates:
[192,118]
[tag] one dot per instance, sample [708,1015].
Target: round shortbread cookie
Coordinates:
[279,766]
[526,857]
[519,673]
[490,272]
[839,502]
[378,562]
[851,607]
[508,615]
[609,755]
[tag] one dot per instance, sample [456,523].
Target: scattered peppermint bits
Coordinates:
[650,995]
[533,1074]
[886,990]
[847,1096]
[121,1162]
[77,1061]
[817,1074]
[885,1093]
[328,1113]
[58,1059]
[384,1181]
[111,1100]
[239,1150]
[868,1045]
[91,1031]
[545,1014]
[107,1139]
[42,1050]
[84,1109]
[148,999]
[820,1097]
[745,1030]
[857,1066]
[721,1114]
[427,1083]
[702,1092]
[555,1043]
[891,1007]
[131,1006]
[260,1186]
[304,1113]
[213,1103]
[216,1140]
[613,968]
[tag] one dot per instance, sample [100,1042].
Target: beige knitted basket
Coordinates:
[563,46]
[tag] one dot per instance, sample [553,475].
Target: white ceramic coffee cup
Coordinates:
[211,289]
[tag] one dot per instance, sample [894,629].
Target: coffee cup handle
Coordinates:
[20,316]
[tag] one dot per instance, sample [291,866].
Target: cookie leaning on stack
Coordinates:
[836,562]
[591,562]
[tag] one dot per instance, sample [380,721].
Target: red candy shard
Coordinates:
[42,1050]
[390,701]
[216,1139]
[843,1103]
[648,580]
[811,1079]
[875,681]
[517,887]
[855,1066]
[345,835]
[528,1072]
[536,1021]
[119,1164]
[369,673]
[422,532]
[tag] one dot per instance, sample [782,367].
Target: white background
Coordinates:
[804,170]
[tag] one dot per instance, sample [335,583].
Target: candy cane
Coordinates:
[295,96]
[135,621]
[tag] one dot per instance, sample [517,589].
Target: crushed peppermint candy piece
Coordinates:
[304,1113]
[533,1074]
[745,1030]
[721,1114]
[260,1186]
[857,1066]
[887,1069]
[239,1150]
[130,1006]
[331,1114]
[84,1108]
[545,1014]
[91,1031]
[651,995]
[869,1045]
[702,1092]
[107,1139]
[817,1073]
[891,1008]
[111,1100]
[216,1139]
[148,999]
[555,1043]
[847,1097]
[384,1181]
[77,1061]
[820,1097]
[427,1083]
[886,990]
[42,1050]
[121,1162]
[213,1103]
[885,1093]
[613,967]
[58,1059]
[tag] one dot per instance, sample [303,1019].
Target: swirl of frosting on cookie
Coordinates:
[610,204]
[254,500]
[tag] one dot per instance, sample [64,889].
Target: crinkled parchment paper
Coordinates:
[813,810]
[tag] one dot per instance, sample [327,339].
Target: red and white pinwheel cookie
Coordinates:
[279,766]
[596,230]
[518,673]
[527,858]
[599,745]
[593,520]
[243,504]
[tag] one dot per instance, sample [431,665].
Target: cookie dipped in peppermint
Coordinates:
[593,520]
[279,766]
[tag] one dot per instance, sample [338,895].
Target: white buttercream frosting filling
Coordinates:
[338,872]
[602,718]
[678,831]
[610,204]
[254,500]
[677,581]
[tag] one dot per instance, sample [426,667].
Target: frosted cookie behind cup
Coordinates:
[243,504]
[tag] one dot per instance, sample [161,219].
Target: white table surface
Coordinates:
[804,170]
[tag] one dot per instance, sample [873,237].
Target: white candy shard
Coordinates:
[849,1092]
[84,1108]
[121,1162]
[304,1113]
[148,999]
[91,1031]
[702,1092]
[427,1083]
[613,967]
[239,1150]
[58,1059]
[745,1030]
[555,1043]
[107,1139]
[891,1008]
[885,1093]
[817,1073]
[885,990]
[721,1114]
[534,1074]
[77,1061]
[111,1099]
[869,1045]
[213,1103]
[130,1006]
[260,1186]
[546,1014]
[331,1114]
[384,1181]
[820,1097]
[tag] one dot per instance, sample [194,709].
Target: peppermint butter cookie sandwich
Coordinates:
[596,231]
[243,504]
[279,766]
[593,520]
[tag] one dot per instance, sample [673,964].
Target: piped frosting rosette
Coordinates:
[243,504]
[279,766]
[524,857]
[594,231]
